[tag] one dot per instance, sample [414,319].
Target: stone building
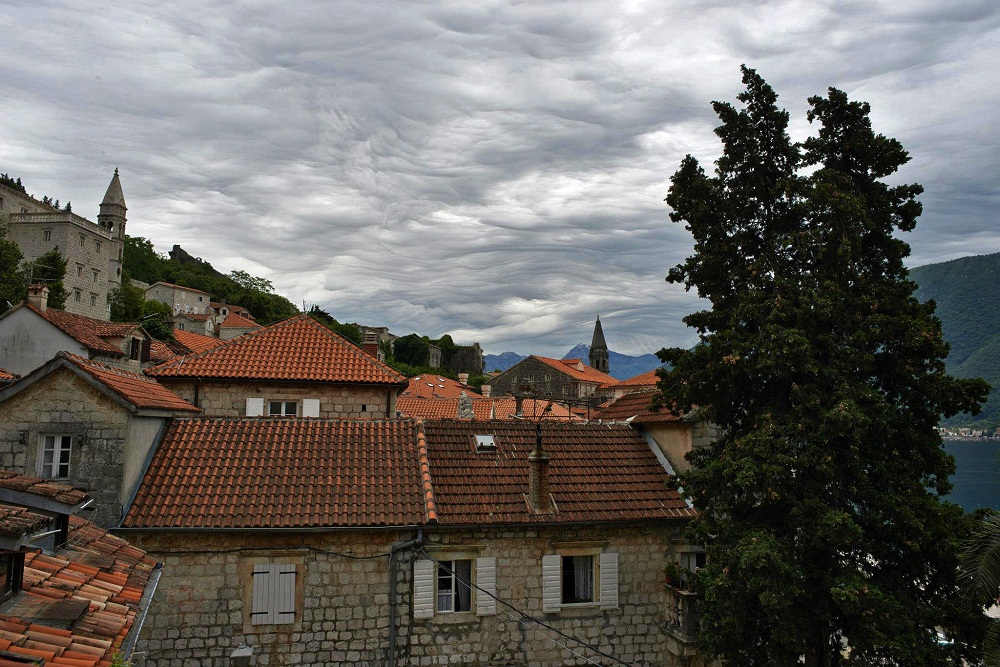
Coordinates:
[556,379]
[295,368]
[369,542]
[181,299]
[93,250]
[85,423]
[31,334]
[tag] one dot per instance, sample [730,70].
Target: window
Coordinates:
[83,241]
[97,246]
[76,295]
[273,594]
[46,235]
[55,453]
[135,347]
[442,587]
[283,408]
[93,299]
[79,270]
[579,577]
[453,591]
[97,274]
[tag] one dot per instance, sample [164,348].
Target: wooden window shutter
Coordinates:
[486,580]
[273,594]
[609,580]
[551,582]
[423,588]
[255,407]
[310,407]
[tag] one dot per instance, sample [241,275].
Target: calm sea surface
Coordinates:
[977,473]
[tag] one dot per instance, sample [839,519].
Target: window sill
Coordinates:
[453,617]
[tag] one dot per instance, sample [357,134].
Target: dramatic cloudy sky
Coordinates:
[493,170]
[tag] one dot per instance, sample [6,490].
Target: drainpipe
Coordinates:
[396,548]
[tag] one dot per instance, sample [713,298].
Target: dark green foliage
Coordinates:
[12,287]
[49,270]
[255,294]
[349,331]
[129,304]
[818,503]
[412,350]
[966,292]
[11,183]
[981,576]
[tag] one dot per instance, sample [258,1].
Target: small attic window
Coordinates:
[485,443]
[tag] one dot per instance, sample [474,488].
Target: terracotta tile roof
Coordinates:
[195,342]
[139,390]
[195,317]
[647,379]
[234,321]
[597,472]
[160,351]
[6,376]
[45,488]
[435,386]
[578,370]
[282,473]
[16,521]
[483,408]
[88,331]
[78,606]
[634,407]
[296,349]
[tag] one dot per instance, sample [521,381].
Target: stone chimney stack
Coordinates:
[371,346]
[38,296]
[485,390]
[463,378]
[539,499]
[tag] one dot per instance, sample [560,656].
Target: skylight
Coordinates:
[485,443]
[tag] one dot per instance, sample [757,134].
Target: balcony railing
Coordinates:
[683,614]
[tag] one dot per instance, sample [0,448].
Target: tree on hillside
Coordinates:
[12,287]
[252,283]
[349,331]
[49,269]
[819,504]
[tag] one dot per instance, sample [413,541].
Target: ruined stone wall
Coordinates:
[62,403]
[229,399]
[201,609]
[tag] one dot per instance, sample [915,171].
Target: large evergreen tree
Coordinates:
[50,269]
[819,504]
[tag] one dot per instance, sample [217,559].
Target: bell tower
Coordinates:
[599,349]
[112,218]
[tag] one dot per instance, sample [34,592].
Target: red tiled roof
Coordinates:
[435,386]
[160,351]
[635,407]
[597,472]
[6,376]
[45,488]
[91,589]
[196,342]
[569,367]
[88,331]
[18,521]
[282,473]
[647,379]
[139,390]
[189,289]
[297,349]
[234,321]
[195,317]
[483,408]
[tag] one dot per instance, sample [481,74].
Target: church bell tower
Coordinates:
[599,349]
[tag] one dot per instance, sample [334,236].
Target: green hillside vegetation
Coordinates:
[142,262]
[966,292]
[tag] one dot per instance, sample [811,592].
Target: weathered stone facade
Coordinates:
[108,448]
[534,376]
[201,611]
[229,398]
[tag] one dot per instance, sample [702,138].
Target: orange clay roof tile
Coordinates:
[597,472]
[569,367]
[282,473]
[46,488]
[634,407]
[297,349]
[195,342]
[234,321]
[87,331]
[139,390]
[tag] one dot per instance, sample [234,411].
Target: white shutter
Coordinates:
[310,407]
[255,407]
[273,594]
[551,582]
[609,581]
[486,580]
[423,588]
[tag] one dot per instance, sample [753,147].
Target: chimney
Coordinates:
[463,378]
[371,346]
[38,296]
[539,500]
[485,390]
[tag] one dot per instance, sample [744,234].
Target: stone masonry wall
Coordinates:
[229,399]
[542,379]
[62,403]
[201,608]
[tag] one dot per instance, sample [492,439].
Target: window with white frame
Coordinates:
[579,577]
[54,455]
[273,594]
[282,408]
[454,585]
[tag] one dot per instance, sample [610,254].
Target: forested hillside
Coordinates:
[967,292]
[142,262]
